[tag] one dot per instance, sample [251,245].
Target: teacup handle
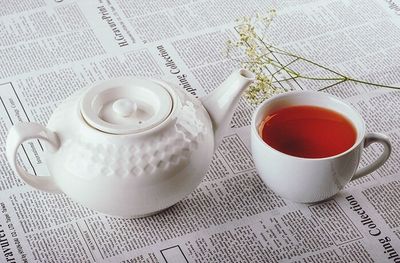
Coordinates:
[21,132]
[387,149]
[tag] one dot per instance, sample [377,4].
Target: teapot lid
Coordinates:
[126,105]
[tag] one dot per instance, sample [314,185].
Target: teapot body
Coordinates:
[131,175]
[129,147]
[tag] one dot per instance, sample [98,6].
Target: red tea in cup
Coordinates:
[308,131]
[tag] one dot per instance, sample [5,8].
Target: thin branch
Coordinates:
[309,61]
[322,79]
[373,84]
[283,80]
[330,86]
[284,67]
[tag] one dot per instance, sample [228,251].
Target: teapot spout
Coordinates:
[222,101]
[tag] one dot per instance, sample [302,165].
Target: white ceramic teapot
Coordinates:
[130,147]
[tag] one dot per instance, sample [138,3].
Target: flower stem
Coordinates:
[373,84]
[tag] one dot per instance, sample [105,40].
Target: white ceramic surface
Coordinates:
[308,180]
[129,147]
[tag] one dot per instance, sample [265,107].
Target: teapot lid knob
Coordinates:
[126,105]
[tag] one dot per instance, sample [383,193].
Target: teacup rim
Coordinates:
[358,141]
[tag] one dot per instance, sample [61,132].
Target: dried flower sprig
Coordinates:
[262,59]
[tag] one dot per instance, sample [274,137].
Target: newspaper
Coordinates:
[51,48]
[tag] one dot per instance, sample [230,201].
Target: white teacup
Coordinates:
[309,180]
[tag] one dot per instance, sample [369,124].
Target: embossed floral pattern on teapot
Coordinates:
[129,147]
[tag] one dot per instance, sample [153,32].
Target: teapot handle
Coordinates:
[21,132]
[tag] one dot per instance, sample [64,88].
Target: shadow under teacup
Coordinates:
[305,179]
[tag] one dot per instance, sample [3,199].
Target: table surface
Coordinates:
[50,49]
